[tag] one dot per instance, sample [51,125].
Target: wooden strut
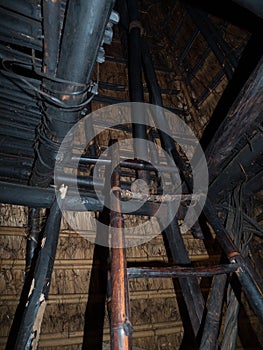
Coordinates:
[121,328]
[191,290]
[247,277]
[178,271]
[214,312]
[51,26]
[30,325]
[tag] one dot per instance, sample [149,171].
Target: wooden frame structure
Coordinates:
[67,65]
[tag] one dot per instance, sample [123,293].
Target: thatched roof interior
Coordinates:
[208,63]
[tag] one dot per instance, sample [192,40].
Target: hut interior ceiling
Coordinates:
[196,64]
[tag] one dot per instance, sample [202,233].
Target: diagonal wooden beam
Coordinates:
[243,116]
[29,328]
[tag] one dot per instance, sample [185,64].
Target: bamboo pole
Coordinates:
[120,309]
[176,271]
[213,317]
[190,288]
[34,226]
[29,330]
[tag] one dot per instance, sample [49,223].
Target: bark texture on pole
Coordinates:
[121,328]
[29,331]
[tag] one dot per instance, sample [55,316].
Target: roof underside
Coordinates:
[209,65]
[203,59]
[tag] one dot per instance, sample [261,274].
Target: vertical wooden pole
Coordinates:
[120,310]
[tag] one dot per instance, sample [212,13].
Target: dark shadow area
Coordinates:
[95,310]
[229,11]
[247,334]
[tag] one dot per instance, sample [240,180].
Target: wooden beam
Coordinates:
[243,116]
[30,324]
[177,271]
[121,329]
